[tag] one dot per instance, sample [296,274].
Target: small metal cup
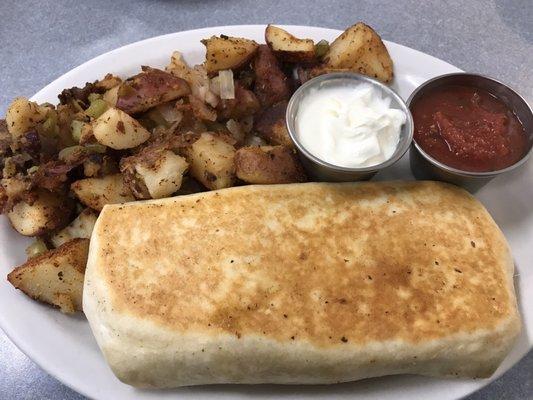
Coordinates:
[321,170]
[424,166]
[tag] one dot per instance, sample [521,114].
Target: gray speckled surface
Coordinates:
[42,40]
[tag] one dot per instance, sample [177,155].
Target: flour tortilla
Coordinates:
[303,283]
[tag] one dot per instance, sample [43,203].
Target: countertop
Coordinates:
[42,40]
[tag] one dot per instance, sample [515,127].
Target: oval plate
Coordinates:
[64,346]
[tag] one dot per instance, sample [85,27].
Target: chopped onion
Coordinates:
[170,113]
[214,85]
[236,130]
[227,86]
[254,141]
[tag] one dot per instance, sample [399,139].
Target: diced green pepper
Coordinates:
[49,126]
[97,108]
[321,48]
[76,127]
[96,148]
[94,96]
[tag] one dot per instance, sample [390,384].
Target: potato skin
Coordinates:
[268,165]
[271,84]
[244,104]
[360,49]
[148,89]
[55,277]
[288,48]
[227,52]
[271,125]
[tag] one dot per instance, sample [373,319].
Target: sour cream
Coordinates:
[349,126]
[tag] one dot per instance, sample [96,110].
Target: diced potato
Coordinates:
[108,82]
[272,127]
[97,192]
[23,115]
[14,188]
[49,211]
[116,129]
[55,277]
[154,173]
[211,161]
[111,96]
[81,227]
[163,177]
[360,49]
[226,52]
[245,104]
[148,89]
[268,165]
[178,67]
[289,48]
[271,83]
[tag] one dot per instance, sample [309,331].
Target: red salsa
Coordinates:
[468,128]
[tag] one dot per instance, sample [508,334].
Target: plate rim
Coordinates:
[25,348]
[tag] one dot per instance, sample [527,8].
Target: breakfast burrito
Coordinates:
[301,284]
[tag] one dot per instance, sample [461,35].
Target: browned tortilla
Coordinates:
[302,283]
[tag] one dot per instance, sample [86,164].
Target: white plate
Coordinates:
[64,346]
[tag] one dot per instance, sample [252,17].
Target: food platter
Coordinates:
[64,346]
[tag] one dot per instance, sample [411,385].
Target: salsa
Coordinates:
[468,128]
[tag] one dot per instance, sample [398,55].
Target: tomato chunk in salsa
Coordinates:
[468,128]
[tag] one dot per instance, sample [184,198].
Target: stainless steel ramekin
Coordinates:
[424,166]
[321,170]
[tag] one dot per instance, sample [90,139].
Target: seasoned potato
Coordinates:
[97,192]
[111,96]
[49,211]
[360,49]
[15,188]
[55,277]
[211,161]
[271,84]
[271,125]
[116,129]
[154,173]
[23,115]
[268,165]
[108,82]
[148,89]
[226,52]
[243,105]
[289,48]
[81,227]
[5,139]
